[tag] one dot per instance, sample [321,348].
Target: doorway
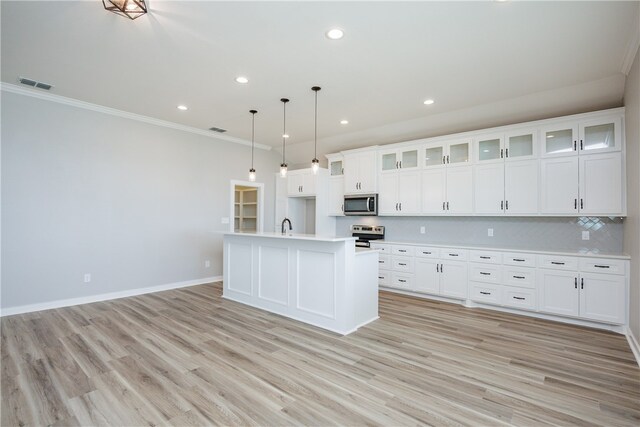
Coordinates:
[247,206]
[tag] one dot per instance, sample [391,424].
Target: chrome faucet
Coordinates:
[290,227]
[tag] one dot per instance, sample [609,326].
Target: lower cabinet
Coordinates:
[592,296]
[559,285]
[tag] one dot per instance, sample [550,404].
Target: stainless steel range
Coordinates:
[366,233]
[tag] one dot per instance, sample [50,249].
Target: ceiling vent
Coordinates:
[33,83]
[219,130]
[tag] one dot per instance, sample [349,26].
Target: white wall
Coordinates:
[134,204]
[632,223]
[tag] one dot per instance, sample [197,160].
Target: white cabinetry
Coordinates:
[301,183]
[395,159]
[600,184]
[593,296]
[398,193]
[559,182]
[336,185]
[506,173]
[447,178]
[360,172]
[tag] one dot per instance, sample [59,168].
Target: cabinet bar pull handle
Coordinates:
[453,254]
[402,250]
[396,206]
[441,268]
[582,283]
[506,152]
[485,293]
[581,204]
[518,259]
[443,206]
[485,257]
[601,266]
[575,203]
[506,205]
[402,281]
[396,165]
[520,298]
[447,205]
[575,282]
[429,253]
[518,277]
[437,268]
[581,145]
[400,164]
[557,263]
[485,274]
[501,153]
[443,160]
[400,205]
[380,277]
[448,159]
[575,147]
[501,204]
[402,263]
[380,261]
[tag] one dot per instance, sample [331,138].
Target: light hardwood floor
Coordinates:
[188,357]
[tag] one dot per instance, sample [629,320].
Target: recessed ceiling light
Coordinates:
[285,136]
[344,122]
[182,107]
[429,102]
[335,34]
[242,79]
[549,136]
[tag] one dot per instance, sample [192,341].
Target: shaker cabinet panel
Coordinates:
[559,182]
[489,188]
[434,191]
[558,292]
[460,190]
[602,297]
[601,184]
[521,187]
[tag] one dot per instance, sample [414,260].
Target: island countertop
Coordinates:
[296,236]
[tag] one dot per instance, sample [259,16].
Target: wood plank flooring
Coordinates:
[188,357]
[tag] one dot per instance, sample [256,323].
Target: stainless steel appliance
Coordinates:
[361,204]
[366,233]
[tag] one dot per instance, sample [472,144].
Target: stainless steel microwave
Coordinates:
[361,204]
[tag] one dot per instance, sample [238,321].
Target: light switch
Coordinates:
[423,229]
[225,220]
[490,232]
[585,235]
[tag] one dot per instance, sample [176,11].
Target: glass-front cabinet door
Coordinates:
[489,148]
[336,168]
[434,156]
[397,159]
[559,140]
[600,135]
[409,158]
[520,145]
[389,160]
[459,152]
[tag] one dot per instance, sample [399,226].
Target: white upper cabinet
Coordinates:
[399,193]
[559,182]
[521,187]
[459,190]
[489,188]
[394,160]
[559,139]
[336,196]
[489,149]
[301,183]
[434,191]
[601,184]
[360,172]
[600,135]
[336,168]
[520,144]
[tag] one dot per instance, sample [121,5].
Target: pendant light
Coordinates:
[252,171]
[132,9]
[283,165]
[315,163]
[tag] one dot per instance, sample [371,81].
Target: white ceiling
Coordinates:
[526,59]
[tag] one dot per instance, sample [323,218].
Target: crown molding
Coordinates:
[11,88]
[632,49]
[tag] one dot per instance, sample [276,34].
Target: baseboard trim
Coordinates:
[635,346]
[104,297]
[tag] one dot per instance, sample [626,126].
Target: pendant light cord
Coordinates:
[253,132]
[284,126]
[315,130]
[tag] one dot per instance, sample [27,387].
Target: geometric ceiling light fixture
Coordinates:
[315,163]
[132,9]
[252,171]
[283,165]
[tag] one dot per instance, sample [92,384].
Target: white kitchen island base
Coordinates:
[316,280]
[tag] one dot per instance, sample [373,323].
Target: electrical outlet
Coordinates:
[207,264]
[585,235]
[87,278]
[423,229]
[225,220]
[490,232]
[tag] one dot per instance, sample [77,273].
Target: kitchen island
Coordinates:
[318,280]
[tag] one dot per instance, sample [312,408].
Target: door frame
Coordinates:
[232,199]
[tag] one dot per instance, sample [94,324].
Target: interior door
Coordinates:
[427,275]
[409,192]
[453,279]
[434,190]
[460,190]
[602,297]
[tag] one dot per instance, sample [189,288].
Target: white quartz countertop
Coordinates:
[274,235]
[577,252]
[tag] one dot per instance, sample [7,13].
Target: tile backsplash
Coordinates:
[534,233]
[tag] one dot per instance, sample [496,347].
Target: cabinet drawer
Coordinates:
[519,298]
[402,263]
[485,257]
[402,250]
[384,249]
[404,281]
[486,294]
[605,266]
[454,254]
[558,262]
[520,277]
[523,260]
[383,278]
[425,252]
[384,262]
[485,273]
